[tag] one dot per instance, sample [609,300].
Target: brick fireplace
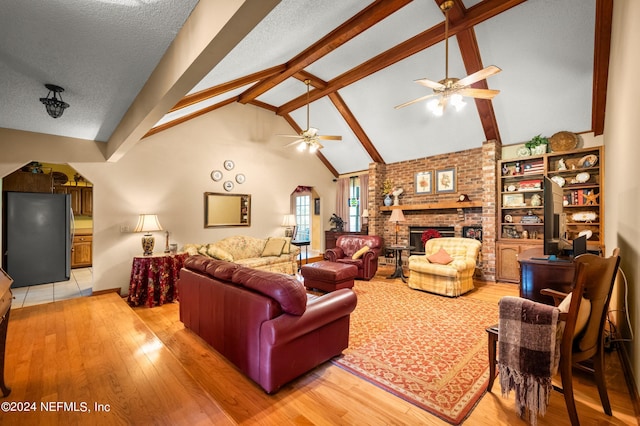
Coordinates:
[415,236]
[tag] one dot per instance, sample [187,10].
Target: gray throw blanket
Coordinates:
[528,351]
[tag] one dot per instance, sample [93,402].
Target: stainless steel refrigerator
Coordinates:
[37,237]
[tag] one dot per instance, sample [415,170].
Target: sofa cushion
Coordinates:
[197,262]
[441,257]
[359,253]
[583,312]
[219,253]
[221,269]
[273,247]
[284,289]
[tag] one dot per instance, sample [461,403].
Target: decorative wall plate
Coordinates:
[559,180]
[508,218]
[582,177]
[240,178]
[587,233]
[229,164]
[216,175]
[228,185]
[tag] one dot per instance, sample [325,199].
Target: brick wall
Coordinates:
[475,176]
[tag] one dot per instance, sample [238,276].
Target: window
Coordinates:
[354,204]
[303,215]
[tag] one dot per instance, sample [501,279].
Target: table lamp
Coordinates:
[289,222]
[148,223]
[365,221]
[397,216]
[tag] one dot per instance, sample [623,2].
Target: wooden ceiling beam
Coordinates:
[203,95]
[602,51]
[475,15]
[470,52]
[365,19]
[355,127]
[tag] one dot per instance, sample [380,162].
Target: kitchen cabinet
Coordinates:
[81,251]
[81,198]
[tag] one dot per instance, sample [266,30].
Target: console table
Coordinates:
[536,273]
[153,279]
[5,309]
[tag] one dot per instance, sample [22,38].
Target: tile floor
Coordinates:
[79,285]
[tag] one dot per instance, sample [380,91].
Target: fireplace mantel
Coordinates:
[435,206]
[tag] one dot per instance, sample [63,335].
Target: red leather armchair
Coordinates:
[348,245]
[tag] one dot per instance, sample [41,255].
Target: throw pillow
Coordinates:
[583,312]
[287,245]
[273,247]
[441,257]
[219,253]
[359,253]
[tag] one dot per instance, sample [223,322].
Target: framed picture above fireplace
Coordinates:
[446,181]
[424,182]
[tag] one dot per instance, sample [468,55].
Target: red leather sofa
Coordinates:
[263,322]
[348,245]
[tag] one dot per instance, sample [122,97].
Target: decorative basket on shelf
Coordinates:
[563,141]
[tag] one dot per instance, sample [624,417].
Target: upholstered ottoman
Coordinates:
[328,276]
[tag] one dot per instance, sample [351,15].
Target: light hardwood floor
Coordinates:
[85,351]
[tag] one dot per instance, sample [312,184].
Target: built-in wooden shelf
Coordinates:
[435,206]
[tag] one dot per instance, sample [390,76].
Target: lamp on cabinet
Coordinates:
[365,221]
[148,223]
[289,222]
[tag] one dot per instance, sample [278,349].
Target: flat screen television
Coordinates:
[554,219]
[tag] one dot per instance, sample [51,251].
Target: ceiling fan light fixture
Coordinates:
[53,102]
[313,147]
[436,107]
[457,102]
[302,146]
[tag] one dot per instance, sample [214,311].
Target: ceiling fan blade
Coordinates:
[294,142]
[329,138]
[416,100]
[289,136]
[478,75]
[478,93]
[430,84]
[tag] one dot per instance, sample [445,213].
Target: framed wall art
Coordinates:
[446,181]
[424,183]
[316,206]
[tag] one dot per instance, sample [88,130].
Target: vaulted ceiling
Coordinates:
[361,57]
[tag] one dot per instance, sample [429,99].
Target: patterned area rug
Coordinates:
[427,349]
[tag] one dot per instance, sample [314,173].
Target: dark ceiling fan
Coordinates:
[452,89]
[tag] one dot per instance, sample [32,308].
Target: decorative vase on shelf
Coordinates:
[387,200]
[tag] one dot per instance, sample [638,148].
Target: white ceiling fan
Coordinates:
[309,138]
[453,89]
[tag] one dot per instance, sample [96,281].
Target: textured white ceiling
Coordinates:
[102,53]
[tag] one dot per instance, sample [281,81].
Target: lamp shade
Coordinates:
[365,213]
[289,220]
[148,223]
[397,216]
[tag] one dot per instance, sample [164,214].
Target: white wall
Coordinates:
[622,148]
[169,172]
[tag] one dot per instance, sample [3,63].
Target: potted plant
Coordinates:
[537,145]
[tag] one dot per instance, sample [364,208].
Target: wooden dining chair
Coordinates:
[588,343]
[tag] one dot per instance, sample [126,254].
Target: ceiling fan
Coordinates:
[309,138]
[453,89]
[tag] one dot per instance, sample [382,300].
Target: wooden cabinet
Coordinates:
[520,202]
[81,198]
[20,181]
[81,251]
[330,238]
[507,253]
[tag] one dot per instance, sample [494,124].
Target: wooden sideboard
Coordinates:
[330,238]
[536,273]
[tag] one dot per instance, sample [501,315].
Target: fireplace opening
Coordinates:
[415,236]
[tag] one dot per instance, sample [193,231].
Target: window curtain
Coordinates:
[364,192]
[342,201]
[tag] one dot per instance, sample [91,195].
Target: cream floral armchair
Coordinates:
[446,268]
